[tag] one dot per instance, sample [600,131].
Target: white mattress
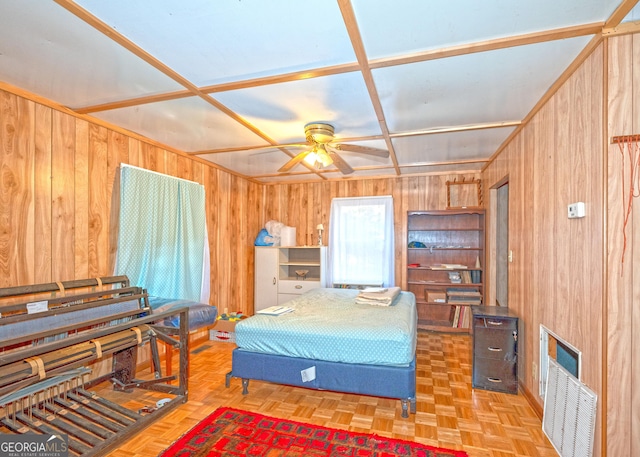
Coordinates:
[328,324]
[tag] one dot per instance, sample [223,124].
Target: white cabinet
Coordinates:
[266,278]
[277,273]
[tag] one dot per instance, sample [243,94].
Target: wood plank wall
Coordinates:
[304,206]
[623,293]
[58,177]
[556,277]
[568,274]
[58,196]
[59,202]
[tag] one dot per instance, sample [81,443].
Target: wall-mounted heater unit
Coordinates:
[569,413]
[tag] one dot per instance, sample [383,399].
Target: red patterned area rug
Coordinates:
[232,432]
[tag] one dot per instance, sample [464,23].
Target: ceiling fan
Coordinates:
[323,151]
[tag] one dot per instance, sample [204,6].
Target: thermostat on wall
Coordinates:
[576,210]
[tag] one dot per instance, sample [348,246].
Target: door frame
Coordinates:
[491,242]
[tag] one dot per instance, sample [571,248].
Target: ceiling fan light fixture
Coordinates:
[319,132]
[311,158]
[318,158]
[323,157]
[323,151]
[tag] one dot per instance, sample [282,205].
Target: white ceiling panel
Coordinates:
[189,124]
[376,172]
[250,163]
[634,15]
[64,59]
[282,110]
[380,72]
[411,26]
[216,41]
[440,169]
[450,147]
[501,85]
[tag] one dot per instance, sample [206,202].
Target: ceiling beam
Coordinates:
[283,78]
[620,13]
[558,83]
[431,131]
[456,128]
[468,48]
[612,22]
[349,18]
[224,87]
[489,45]
[129,45]
[134,102]
[625,28]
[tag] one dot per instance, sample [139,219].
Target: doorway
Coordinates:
[502,245]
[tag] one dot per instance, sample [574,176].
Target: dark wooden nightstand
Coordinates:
[495,349]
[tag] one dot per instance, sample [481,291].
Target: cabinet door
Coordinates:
[266,278]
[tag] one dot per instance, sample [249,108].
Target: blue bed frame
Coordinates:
[376,380]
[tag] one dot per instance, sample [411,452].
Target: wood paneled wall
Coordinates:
[623,278]
[567,274]
[304,206]
[58,200]
[58,171]
[58,197]
[556,277]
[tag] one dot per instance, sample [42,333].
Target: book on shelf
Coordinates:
[275,310]
[456,316]
[463,292]
[463,296]
[465,275]
[460,316]
[449,266]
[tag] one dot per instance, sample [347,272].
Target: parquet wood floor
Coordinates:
[449,412]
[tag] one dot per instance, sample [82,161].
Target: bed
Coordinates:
[329,341]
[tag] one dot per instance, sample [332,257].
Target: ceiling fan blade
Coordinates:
[295,161]
[339,162]
[362,149]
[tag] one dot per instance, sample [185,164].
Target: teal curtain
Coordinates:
[162,242]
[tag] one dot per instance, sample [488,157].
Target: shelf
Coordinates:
[448,229]
[439,303]
[440,326]
[446,284]
[455,238]
[446,249]
[300,264]
[306,279]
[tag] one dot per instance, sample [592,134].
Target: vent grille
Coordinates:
[569,413]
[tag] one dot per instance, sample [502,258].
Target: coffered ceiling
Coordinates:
[440,84]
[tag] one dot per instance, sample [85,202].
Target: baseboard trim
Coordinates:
[531,399]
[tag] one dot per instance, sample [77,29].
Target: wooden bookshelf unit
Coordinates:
[445,259]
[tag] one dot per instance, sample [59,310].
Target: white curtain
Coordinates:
[361,241]
[162,236]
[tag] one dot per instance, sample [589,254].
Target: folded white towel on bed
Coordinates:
[380,297]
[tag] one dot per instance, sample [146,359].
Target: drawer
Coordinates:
[496,375]
[296,287]
[495,322]
[494,344]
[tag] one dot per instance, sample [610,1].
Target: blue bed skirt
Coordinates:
[374,380]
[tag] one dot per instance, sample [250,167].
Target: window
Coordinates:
[361,241]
